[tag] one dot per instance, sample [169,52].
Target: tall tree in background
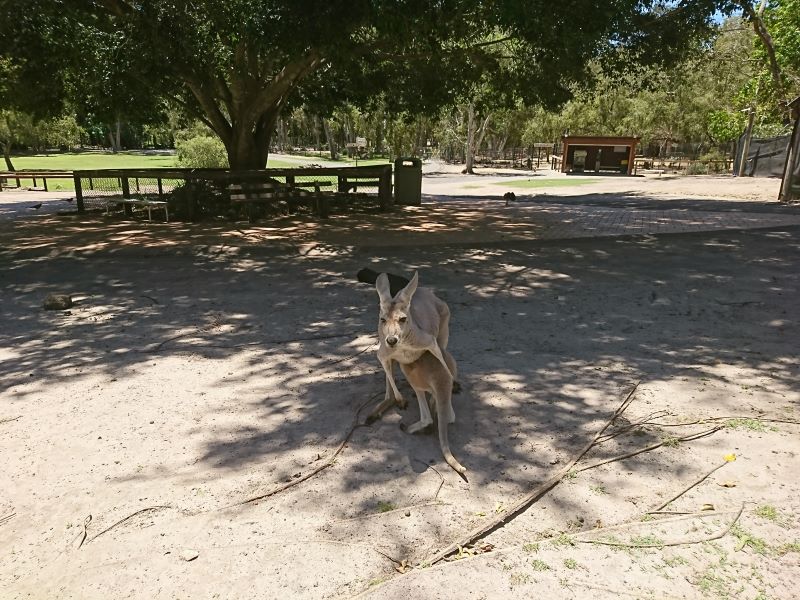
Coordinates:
[238,64]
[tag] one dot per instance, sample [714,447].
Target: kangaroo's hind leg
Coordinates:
[425,418]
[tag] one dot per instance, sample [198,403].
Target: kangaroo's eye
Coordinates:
[402,319]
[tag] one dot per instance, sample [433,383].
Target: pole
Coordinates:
[748,134]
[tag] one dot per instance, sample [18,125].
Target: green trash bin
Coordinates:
[408,181]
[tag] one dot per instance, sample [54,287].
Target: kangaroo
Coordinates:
[428,375]
[411,323]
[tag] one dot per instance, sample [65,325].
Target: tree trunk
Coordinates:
[502,145]
[331,143]
[481,133]
[469,167]
[115,139]
[419,139]
[248,148]
[379,137]
[317,145]
[475,136]
[7,156]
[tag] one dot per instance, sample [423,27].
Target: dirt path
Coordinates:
[191,376]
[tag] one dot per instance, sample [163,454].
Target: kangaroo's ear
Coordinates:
[407,292]
[382,286]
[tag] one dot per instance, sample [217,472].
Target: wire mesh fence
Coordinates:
[193,193]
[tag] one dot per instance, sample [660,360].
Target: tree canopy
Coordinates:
[236,65]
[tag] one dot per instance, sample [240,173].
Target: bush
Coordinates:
[196,200]
[697,168]
[713,154]
[201,152]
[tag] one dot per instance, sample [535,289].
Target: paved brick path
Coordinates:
[560,221]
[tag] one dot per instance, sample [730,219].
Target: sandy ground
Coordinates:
[202,366]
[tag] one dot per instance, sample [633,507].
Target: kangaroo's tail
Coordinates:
[443,417]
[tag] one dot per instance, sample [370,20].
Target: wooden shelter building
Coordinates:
[587,154]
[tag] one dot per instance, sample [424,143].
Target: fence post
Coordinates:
[126,193]
[385,188]
[78,192]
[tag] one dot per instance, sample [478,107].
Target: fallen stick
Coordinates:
[534,494]
[321,467]
[682,492]
[678,542]
[686,438]
[645,421]
[10,420]
[679,517]
[730,418]
[435,470]
[120,522]
[518,547]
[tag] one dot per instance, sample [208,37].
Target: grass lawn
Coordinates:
[71,161]
[547,183]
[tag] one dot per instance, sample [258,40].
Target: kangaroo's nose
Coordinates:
[391,340]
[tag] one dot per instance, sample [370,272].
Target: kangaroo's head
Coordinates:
[395,313]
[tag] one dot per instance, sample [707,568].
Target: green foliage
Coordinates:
[386,506]
[647,541]
[782,20]
[725,125]
[768,512]
[744,423]
[745,539]
[238,64]
[201,152]
[539,565]
[695,168]
[562,540]
[62,132]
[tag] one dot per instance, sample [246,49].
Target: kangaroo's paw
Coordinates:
[452,417]
[378,411]
[419,426]
[401,402]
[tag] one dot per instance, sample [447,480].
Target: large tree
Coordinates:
[238,64]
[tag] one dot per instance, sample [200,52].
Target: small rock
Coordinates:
[188,554]
[408,513]
[58,302]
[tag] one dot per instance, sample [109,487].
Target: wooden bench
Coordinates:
[149,205]
[269,192]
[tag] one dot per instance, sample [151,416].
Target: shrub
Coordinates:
[697,168]
[201,152]
[197,200]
